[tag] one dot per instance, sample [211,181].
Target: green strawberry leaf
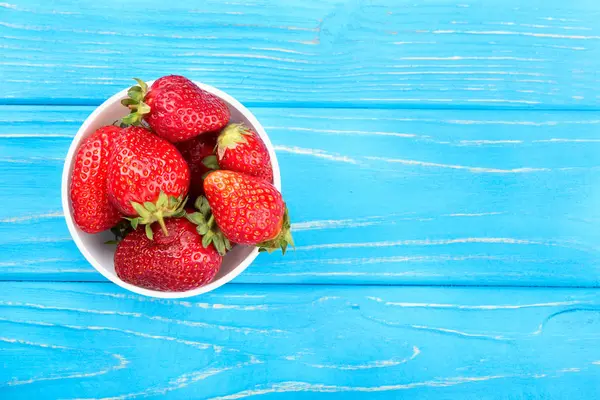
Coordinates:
[163,207]
[142,84]
[143,108]
[163,200]
[283,239]
[149,232]
[207,227]
[135,103]
[196,218]
[120,230]
[207,239]
[128,102]
[202,230]
[219,244]
[211,162]
[230,137]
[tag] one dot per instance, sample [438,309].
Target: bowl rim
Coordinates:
[75,231]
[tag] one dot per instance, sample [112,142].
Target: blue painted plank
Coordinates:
[475,53]
[62,340]
[377,196]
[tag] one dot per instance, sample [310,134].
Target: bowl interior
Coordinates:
[101,255]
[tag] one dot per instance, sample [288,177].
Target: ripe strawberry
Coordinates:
[92,210]
[147,178]
[176,108]
[194,151]
[248,210]
[174,263]
[240,149]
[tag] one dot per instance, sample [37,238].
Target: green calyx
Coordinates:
[122,229]
[207,227]
[136,104]
[281,241]
[230,137]
[211,162]
[148,213]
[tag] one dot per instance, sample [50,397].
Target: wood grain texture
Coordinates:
[388,53]
[97,341]
[377,196]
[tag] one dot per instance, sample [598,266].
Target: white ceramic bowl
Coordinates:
[101,255]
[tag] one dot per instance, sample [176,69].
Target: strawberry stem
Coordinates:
[207,228]
[282,240]
[164,207]
[161,222]
[135,103]
[230,137]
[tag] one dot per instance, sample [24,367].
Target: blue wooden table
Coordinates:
[441,161]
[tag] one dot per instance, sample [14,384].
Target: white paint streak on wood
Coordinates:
[15,8]
[348,274]
[515,33]
[182,381]
[470,72]
[18,263]
[343,132]
[564,140]
[485,142]
[28,343]
[459,333]
[255,56]
[327,298]
[279,49]
[370,365]
[203,305]
[191,343]
[122,363]
[479,307]
[339,223]
[572,369]
[316,153]
[482,214]
[294,387]
[426,242]
[478,170]
[540,26]
[499,58]
[33,135]
[401,259]
[243,330]
[34,217]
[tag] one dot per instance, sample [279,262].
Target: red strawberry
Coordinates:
[194,151]
[173,263]
[176,108]
[147,177]
[170,79]
[92,210]
[248,210]
[240,149]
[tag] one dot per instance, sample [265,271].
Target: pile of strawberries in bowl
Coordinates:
[181,181]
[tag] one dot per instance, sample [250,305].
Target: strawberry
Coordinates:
[247,210]
[174,263]
[175,108]
[194,151]
[92,210]
[147,178]
[240,149]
